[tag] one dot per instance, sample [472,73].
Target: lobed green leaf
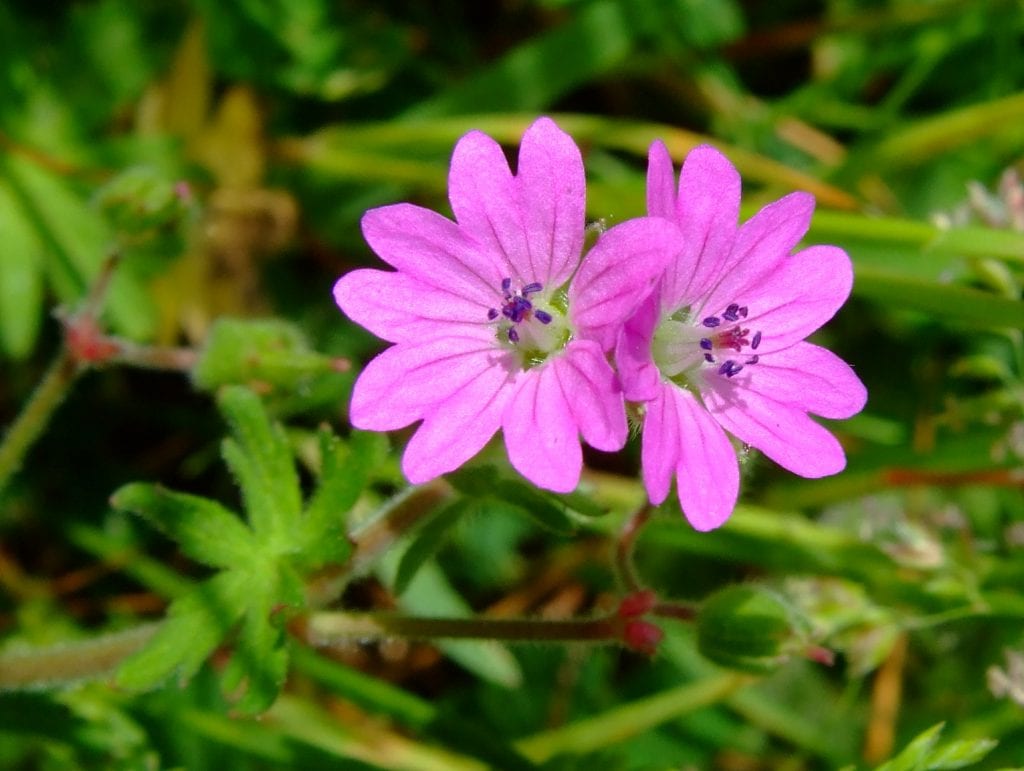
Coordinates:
[205,530]
[196,624]
[260,458]
[345,470]
[259,663]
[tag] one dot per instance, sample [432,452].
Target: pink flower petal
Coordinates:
[802,293]
[659,447]
[400,385]
[485,199]
[552,200]
[434,250]
[593,393]
[661,182]
[763,243]
[811,379]
[617,274]
[541,434]
[708,474]
[458,428]
[707,212]
[782,432]
[639,374]
[398,307]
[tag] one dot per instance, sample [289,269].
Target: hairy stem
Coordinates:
[36,414]
[65,663]
[625,546]
[329,628]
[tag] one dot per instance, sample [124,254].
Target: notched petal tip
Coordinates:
[546,131]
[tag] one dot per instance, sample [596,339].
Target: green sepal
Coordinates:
[428,540]
[206,531]
[196,624]
[486,482]
[261,460]
[747,627]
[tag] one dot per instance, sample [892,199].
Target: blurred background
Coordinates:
[225,152]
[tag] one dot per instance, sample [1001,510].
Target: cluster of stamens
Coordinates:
[517,307]
[733,338]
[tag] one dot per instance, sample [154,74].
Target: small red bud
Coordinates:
[637,604]
[642,637]
[821,655]
[87,343]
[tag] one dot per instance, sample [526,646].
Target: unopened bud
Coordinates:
[642,636]
[750,628]
[140,199]
[637,604]
[269,351]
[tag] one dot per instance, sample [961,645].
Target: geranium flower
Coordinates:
[496,320]
[719,344]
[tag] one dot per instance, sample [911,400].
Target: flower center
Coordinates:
[530,322]
[682,348]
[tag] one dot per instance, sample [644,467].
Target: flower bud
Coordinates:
[147,208]
[750,628]
[266,352]
[642,636]
[637,604]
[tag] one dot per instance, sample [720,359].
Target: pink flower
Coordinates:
[497,323]
[719,344]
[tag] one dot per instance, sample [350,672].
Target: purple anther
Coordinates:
[507,311]
[705,343]
[730,368]
[492,314]
[542,316]
[756,341]
[520,307]
[506,285]
[711,322]
[753,360]
[531,288]
[742,311]
[709,358]
[732,313]
[513,336]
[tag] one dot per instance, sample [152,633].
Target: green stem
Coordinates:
[629,720]
[626,545]
[155,357]
[36,414]
[65,663]
[328,628]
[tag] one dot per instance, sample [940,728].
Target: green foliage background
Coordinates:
[226,150]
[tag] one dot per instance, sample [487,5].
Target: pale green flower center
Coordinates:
[686,348]
[532,322]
